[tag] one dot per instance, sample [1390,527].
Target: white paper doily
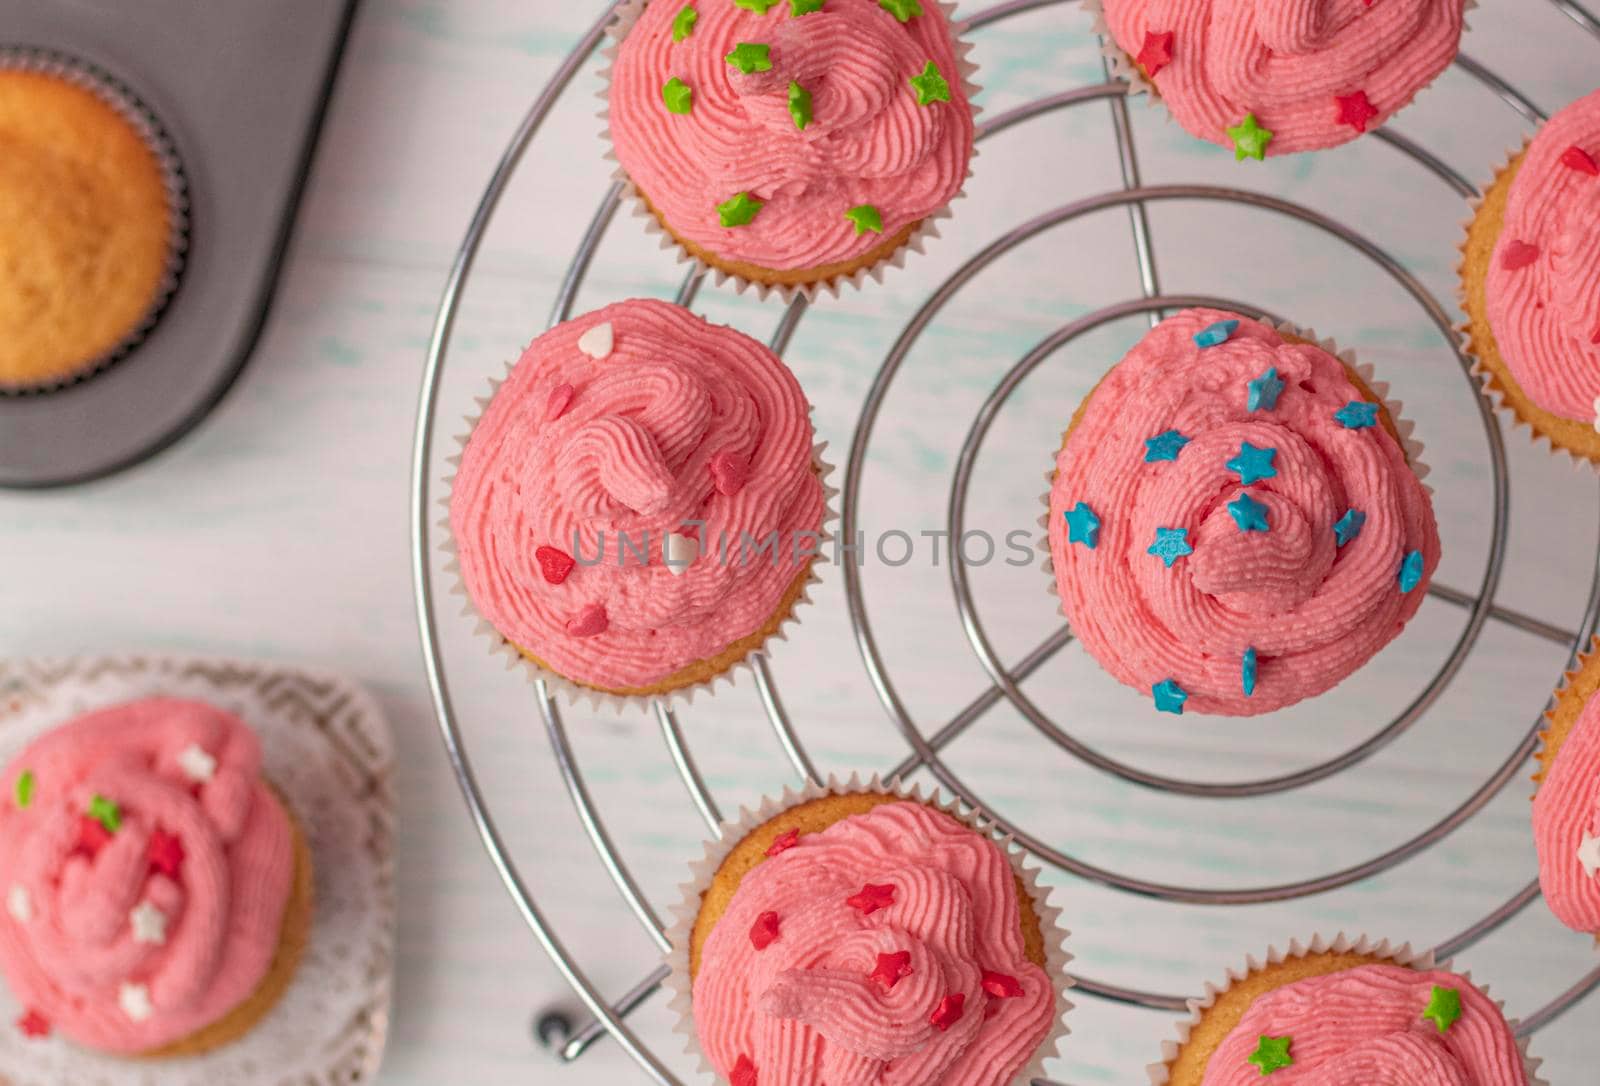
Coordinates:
[329,751]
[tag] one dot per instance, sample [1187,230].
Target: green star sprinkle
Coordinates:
[683,22]
[1444,1007]
[930,85]
[738,209]
[750,57]
[1249,139]
[866,217]
[903,10]
[25,785]
[799,105]
[678,95]
[106,812]
[760,7]
[798,8]
[1272,1054]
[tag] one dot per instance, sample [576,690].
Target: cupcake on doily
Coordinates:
[1530,278]
[158,893]
[1237,519]
[791,143]
[1272,77]
[640,505]
[1566,807]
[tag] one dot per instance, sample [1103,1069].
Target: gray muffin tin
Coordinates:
[240,86]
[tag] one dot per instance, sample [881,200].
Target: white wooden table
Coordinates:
[279,529]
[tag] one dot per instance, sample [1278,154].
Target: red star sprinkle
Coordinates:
[34,1024]
[729,472]
[1355,110]
[1577,158]
[92,836]
[1518,254]
[784,842]
[948,1012]
[560,397]
[1156,52]
[872,898]
[744,1073]
[165,854]
[1001,986]
[764,932]
[891,969]
[589,622]
[554,564]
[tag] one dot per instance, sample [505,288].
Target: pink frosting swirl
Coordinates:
[94,929]
[806,1011]
[1290,61]
[868,140]
[1365,1025]
[1566,822]
[601,459]
[1312,609]
[1543,285]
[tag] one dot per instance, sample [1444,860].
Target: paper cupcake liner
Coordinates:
[1423,961]
[1410,444]
[925,231]
[680,987]
[143,120]
[577,693]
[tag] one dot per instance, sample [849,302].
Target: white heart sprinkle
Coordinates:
[681,552]
[196,764]
[597,341]
[149,924]
[1589,855]
[19,905]
[135,1002]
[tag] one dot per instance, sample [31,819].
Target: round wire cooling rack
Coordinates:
[608,1015]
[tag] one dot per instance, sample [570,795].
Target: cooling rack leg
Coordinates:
[590,1031]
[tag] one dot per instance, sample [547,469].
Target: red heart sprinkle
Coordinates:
[34,1024]
[1596,337]
[784,842]
[743,1074]
[92,836]
[891,969]
[560,398]
[1577,158]
[588,622]
[764,932]
[729,472]
[1156,52]
[165,854]
[554,564]
[1355,110]
[872,898]
[1001,986]
[1518,254]
[948,1013]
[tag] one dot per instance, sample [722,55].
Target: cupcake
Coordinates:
[1236,521]
[1530,279]
[1340,1013]
[853,935]
[158,894]
[91,222]
[1566,807]
[639,507]
[791,144]
[1272,77]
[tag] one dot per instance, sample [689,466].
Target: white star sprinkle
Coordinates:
[597,341]
[1589,855]
[196,764]
[135,1002]
[681,553]
[149,924]
[19,904]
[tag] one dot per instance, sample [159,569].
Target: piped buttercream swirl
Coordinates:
[125,945]
[1566,822]
[1312,609]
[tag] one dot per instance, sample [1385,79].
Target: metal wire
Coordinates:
[1006,681]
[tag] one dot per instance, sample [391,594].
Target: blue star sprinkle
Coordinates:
[1264,391]
[1253,464]
[1357,415]
[1249,514]
[1247,673]
[1169,697]
[1411,571]
[1171,544]
[1082,526]
[1216,334]
[1348,526]
[1164,446]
